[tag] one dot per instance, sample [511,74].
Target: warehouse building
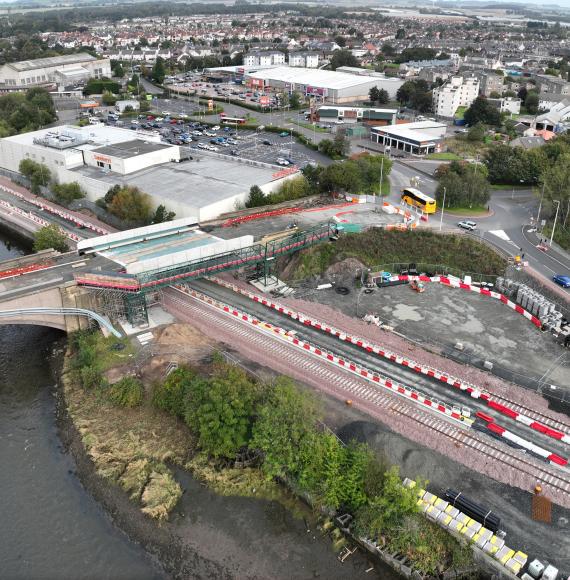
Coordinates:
[357,114]
[330,86]
[60,70]
[418,138]
[99,157]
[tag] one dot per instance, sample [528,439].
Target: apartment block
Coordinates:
[457,92]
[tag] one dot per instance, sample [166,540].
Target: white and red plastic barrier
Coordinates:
[56,211]
[12,272]
[520,441]
[36,219]
[455,382]
[392,386]
[456,283]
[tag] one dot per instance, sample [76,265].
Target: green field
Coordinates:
[446,156]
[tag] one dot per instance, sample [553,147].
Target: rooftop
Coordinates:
[132,148]
[412,131]
[194,183]
[25,65]
[315,77]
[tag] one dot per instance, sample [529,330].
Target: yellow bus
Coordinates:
[413,196]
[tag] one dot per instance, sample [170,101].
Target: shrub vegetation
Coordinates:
[377,247]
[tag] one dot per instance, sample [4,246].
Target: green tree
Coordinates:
[38,173]
[256,197]
[108,98]
[67,192]
[464,189]
[383,97]
[557,180]
[162,215]
[481,111]
[118,71]
[50,237]
[284,422]
[170,394]
[131,205]
[476,133]
[295,100]
[374,94]
[221,411]
[343,58]
[386,511]
[158,71]
[127,392]
[531,102]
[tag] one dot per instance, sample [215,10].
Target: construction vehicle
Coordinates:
[417,286]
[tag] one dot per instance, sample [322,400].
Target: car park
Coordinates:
[562,280]
[467,225]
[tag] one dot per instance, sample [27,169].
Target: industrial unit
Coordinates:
[331,86]
[99,157]
[418,138]
[355,114]
[60,70]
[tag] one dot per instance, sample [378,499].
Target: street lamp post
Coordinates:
[555,218]
[381,174]
[442,208]
[539,207]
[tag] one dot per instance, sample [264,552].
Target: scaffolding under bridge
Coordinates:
[128,296]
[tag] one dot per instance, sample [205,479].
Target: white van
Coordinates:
[94,120]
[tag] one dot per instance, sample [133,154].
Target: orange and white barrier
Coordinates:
[55,210]
[457,383]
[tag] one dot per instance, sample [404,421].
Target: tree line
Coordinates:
[233,415]
[23,112]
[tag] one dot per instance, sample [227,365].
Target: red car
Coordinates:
[173,121]
[150,118]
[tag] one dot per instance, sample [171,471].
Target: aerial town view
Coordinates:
[284,290]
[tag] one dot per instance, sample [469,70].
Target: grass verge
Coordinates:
[445,156]
[468,211]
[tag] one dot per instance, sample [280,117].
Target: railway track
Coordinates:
[379,364]
[373,400]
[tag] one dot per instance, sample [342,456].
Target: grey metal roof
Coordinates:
[25,65]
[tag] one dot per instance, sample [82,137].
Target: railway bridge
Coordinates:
[110,275]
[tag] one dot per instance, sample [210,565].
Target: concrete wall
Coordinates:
[69,296]
[124,166]
[11,153]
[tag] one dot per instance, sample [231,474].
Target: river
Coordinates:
[51,528]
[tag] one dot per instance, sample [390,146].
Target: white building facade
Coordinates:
[457,92]
[264,58]
[304,59]
[29,73]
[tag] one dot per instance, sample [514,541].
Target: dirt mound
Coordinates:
[346,268]
[182,335]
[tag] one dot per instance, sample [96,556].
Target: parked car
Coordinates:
[281,161]
[467,225]
[266,142]
[284,134]
[562,279]
[234,152]
[216,128]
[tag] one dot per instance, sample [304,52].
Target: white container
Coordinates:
[550,573]
[536,568]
